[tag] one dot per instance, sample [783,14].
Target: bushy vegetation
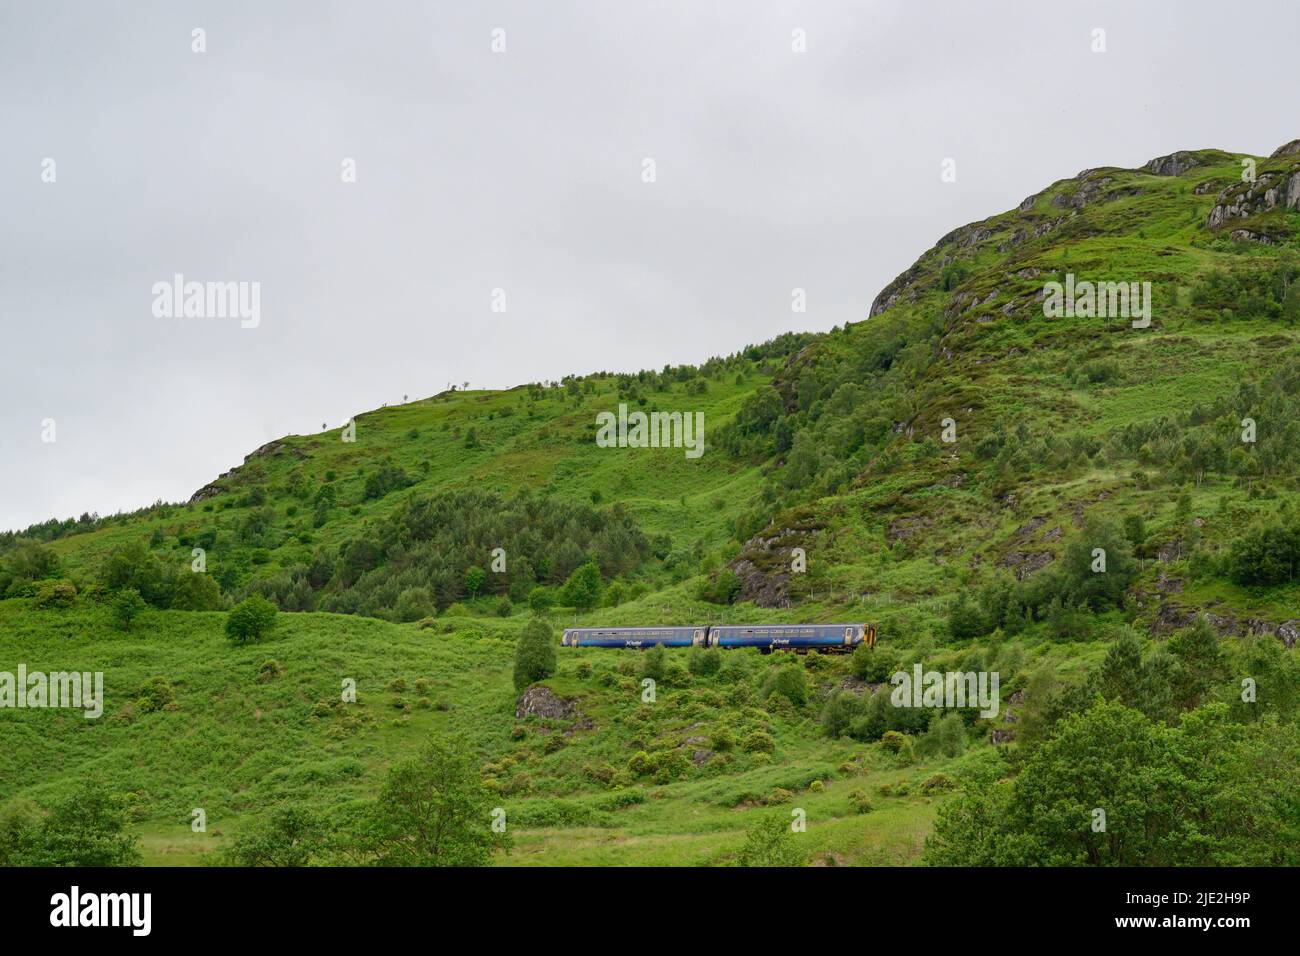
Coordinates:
[1057,501]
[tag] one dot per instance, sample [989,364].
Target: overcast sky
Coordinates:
[520,170]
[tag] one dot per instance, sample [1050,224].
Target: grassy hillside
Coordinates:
[949,467]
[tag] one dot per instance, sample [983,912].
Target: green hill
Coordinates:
[950,467]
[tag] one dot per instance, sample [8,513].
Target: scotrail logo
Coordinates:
[37,689]
[947,690]
[1104,300]
[655,430]
[208,300]
[103,909]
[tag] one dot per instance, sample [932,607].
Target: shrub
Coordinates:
[939,783]
[127,605]
[195,591]
[539,600]
[155,694]
[290,836]
[1268,555]
[51,594]
[505,607]
[269,671]
[860,802]
[789,682]
[722,740]
[893,741]
[582,589]
[770,842]
[251,620]
[946,736]
[654,663]
[758,741]
[704,661]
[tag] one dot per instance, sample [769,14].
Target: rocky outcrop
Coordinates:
[540,701]
[1025,563]
[277,447]
[1286,149]
[764,566]
[1243,200]
[1175,164]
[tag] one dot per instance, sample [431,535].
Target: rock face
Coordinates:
[1175,164]
[1026,563]
[1243,200]
[1286,149]
[541,701]
[764,566]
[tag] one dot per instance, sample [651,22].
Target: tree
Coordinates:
[432,811]
[474,578]
[291,836]
[127,606]
[27,562]
[539,600]
[1157,787]
[654,663]
[582,589]
[789,682]
[132,565]
[771,842]
[251,619]
[1084,581]
[195,591]
[1201,663]
[535,653]
[84,829]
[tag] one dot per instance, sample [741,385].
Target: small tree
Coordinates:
[87,828]
[432,811]
[291,836]
[582,589]
[251,619]
[474,578]
[127,606]
[535,653]
[539,600]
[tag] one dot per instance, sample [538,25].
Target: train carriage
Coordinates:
[794,636]
[635,636]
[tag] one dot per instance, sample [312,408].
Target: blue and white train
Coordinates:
[765,637]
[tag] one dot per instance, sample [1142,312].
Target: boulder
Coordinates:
[540,701]
[1175,164]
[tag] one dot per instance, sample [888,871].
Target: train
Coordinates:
[766,637]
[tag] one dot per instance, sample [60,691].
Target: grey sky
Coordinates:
[519,170]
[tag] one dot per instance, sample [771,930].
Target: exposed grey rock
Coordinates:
[1286,149]
[540,701]
[1288,632]
[1246,235]
[1175,164]
[1025,563]
[1243,200]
